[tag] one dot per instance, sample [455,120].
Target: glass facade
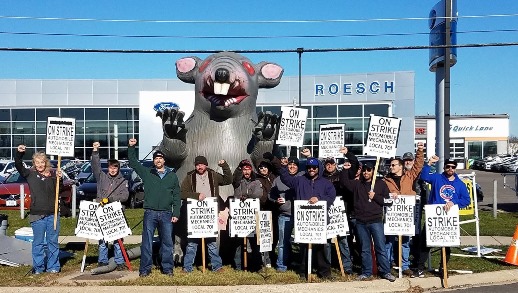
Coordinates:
[28,126]
[354,116]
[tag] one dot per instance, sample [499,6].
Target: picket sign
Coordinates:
[59,142]
[292,126]
[331,139]
[264,230]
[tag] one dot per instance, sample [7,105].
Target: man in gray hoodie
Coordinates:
[111,187]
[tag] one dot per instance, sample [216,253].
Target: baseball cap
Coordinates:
[329,160]
[450,162]
[158,154]
[312,162]
[408,156]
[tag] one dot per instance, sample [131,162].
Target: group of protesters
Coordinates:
[277,183]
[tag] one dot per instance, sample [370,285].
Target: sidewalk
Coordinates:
[464,240]
[400,285]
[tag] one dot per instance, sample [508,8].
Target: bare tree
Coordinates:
[512,146]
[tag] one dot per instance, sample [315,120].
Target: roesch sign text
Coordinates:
[374,87]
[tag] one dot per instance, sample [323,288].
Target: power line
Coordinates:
[248,37]
[321,50]
[243,21]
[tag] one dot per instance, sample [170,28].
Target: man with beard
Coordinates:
[368,208]
[447,189]
[311,187]
[200,183]
[400,181]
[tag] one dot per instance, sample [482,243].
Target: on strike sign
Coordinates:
[442,229]
[331,140]
[87,224]
[382,136]
[399,218]
[112,221]
[310,222]
[202,218]
[338,224]
[60,136]
[292,126]
[264,231]
[242,217]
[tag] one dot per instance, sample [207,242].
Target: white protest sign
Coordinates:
[399,218]
[382,136]
[338,224]
[442,229]
[331,139]
[292,126]
[87,224]
[112,221]
[310,222]
[264,230]
[60,136]
[242,217]
[202,218]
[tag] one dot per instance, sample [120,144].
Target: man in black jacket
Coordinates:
[368,208]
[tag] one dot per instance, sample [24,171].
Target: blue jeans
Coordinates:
[103,252]
[367,233]
[405,251]
[192,248]
[345,253]
[160,220]
[285,224]
[45,228]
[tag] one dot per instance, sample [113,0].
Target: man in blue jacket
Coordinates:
[312,186]
[447,189]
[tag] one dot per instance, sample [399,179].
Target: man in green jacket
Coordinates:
[161,209]
[200,183]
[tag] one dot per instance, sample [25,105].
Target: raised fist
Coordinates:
[221,162]
[96,145]
[306,153]
[21,148]
[172,121]
[267,126]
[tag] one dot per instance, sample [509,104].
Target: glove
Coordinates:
[104,201]
[243,197]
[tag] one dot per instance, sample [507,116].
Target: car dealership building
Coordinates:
[100,106]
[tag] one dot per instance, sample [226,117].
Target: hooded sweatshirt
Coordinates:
[113,188]
[444,190]
[307,187]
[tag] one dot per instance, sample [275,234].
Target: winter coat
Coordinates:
[112,188]
[408,178]
[43,189]
[161,194]
[188,187]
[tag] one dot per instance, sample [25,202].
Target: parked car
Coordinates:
[10,193]
[86,170]
[7,167]
[88,189]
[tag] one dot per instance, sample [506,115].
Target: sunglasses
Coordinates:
[450,167]
[263,167]
[394,165]
[367,169]
[312,167]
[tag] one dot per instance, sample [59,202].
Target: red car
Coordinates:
[10,193]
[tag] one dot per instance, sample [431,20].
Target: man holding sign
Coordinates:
[111,187]
[447,189]
[313,187]
[368,208]
[200,183]
[401,182]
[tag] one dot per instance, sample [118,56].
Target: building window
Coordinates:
[350,111]
[324,111]
[376,109]
[96,114]
[42,114]
[76,113]
[489,148]
[5,115]
[121,114]
[23,114]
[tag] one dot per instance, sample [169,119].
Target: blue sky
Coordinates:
[484,81]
